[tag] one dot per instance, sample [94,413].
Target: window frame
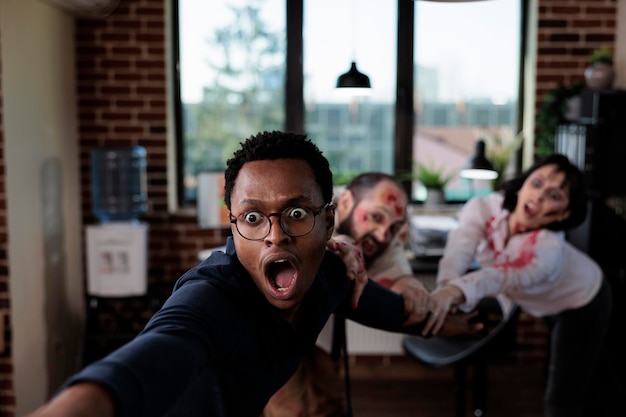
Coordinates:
[404,113]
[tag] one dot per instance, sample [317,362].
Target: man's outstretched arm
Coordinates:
[85,399]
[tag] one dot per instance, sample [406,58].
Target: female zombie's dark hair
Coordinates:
[279,145]
[574,180]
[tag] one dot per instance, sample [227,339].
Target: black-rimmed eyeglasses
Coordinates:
[295,221]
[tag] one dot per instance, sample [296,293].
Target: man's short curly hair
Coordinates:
[279,145]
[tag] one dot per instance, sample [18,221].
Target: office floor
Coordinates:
[411,390]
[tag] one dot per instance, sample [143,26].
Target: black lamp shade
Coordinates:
[353,79]
[478,166]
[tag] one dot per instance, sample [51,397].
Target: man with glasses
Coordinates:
[371,212]
[237,326]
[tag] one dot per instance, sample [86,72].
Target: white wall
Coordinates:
[43,195]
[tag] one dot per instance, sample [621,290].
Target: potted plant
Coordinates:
[604,55]
[552,112]
[434,179]
[600,73]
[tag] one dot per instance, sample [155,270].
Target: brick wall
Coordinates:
[121,82]
[121,69]
[568,30]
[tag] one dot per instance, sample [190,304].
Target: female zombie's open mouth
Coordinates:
[529,211]
[282,276]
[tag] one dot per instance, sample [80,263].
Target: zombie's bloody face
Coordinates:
[542,200]
[374,220]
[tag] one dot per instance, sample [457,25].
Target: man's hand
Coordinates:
[459,323]
[350,252]
[416,299]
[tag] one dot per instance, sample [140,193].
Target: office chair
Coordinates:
[464,351]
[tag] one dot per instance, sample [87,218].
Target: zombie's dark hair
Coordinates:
[362,184]
[279,145]
[574,180]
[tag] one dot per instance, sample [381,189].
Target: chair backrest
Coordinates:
[445,351]
[497,338]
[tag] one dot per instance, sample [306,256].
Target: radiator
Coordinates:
[362,340]
[367,341]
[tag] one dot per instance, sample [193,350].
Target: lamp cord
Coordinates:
[353,30]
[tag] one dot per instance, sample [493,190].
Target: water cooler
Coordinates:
[117,245]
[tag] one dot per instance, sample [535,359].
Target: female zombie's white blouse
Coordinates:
[539,270]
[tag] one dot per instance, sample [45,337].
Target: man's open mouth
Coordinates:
[282,276]
[369,246]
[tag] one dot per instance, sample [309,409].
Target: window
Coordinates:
[232,77]
[467,61]
[365,32]
[232,60]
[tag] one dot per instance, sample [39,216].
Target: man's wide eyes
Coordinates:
[253,217]
[297,213]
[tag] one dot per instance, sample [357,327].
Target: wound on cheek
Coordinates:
[360,215]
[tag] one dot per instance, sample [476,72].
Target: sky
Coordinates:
[468,43]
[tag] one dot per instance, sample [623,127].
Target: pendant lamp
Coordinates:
[353,79]
[354,82]
[478,166]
